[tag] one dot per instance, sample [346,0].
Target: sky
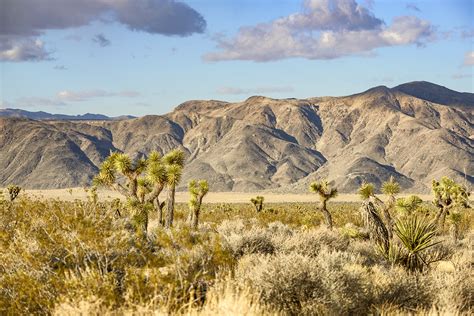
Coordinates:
[141,57]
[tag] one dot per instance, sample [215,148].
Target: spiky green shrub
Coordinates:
[408,205]
[13,191]
[416,236]
[325,192]
[448,194]
[197,190]
[257,203]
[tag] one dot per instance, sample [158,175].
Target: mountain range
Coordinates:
[51,117]
[414,132]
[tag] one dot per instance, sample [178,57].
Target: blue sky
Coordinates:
[147,56]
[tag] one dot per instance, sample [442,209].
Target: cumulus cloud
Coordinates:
[259,90]
[23,21]
[16,49]
[78,96]
[469,58]
[325,29]
[101,40]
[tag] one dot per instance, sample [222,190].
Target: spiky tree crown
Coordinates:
[390,187]
[324,189]
[13,191]
[447,192]
[174,157]
[257,200]
[197,190]
[366,190]
[174,173]
[408,204]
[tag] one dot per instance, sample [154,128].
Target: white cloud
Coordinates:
[323,30]
[258,90]
[23,21]
[22,49]
[469,58]
[77,96]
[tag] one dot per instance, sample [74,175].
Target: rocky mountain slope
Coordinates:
[263,143]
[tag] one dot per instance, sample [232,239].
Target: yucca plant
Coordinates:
[174,164]
[325,192]
[197,190]
[448,194]
[257,203]
[416,236]
[13,191]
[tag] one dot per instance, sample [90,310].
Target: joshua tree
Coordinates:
[390,188]
[257,203]
[409,204]
[325,192]
[374,224]
[174,162]
[197,190]
[455,219]
[140,182]
[447,195]
[13,191]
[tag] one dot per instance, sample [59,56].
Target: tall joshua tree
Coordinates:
[197,190]
[448,194]
[325,192]
[140,182]
[174,163]
[377,229]
[390,188]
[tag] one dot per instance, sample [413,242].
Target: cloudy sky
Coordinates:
[147,56]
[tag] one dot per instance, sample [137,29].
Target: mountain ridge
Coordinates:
[41,115]
[260,143]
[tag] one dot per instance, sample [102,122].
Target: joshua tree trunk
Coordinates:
[387,218]
[327,215]
[170,206]
[441,217]
[454,230]
[195,214]
[159,209]
[377,230]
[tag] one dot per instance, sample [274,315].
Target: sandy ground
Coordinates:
[212,197]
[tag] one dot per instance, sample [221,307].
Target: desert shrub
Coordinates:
[392,286]
[310,242]
[285,281]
